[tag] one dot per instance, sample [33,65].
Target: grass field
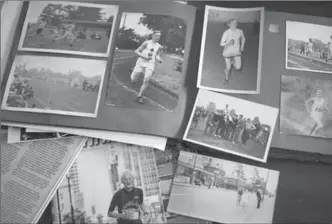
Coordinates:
[45,42]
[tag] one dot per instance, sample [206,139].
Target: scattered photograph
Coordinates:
[148,62]
[68,86]
[232,125]
[306,106]
[308,47]
[166,163]
[223,191]
[110,183]
[68,27]
[231,50]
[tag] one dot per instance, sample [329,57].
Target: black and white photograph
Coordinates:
[68,27]
[232,125]
[306,106]
[231,50]
[110,183]
[55,85]
[223,191]
[308,47]
[148,62]
[166,163]
[16,135]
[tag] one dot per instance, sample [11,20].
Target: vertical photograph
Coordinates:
[232,125]
[148,62]
[231,50]
[306,106]
[110,183]
[223,191]
[68,27]
[308,47]
[55,85]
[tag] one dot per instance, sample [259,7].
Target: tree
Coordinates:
[256,120]
[173,30]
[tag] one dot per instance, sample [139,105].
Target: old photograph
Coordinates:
[110,183]
[68,86]
[16,135]
[68,27]
[223,191]
[308,47]
[232,125]
[148,62]
[231,50]
[166,163]
[306,106]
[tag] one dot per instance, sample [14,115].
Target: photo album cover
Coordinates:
[109,66]
[223,191]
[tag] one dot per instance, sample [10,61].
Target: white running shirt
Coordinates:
[150,48]
[235,35]
[310,46]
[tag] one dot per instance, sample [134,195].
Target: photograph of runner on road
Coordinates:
[68,27]
[56,85]
[147,64]
[223,191]
[308,47]
[231,50]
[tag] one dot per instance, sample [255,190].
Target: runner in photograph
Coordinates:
[223,191]
[149,54]
[233,128]
[68,34]
[306,106]
[147,70]
[307,47]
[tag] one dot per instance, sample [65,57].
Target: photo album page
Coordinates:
[108,66]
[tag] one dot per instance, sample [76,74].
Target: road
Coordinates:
[122,92]
[297,61]
[218,205]
[58,96]
[214,64]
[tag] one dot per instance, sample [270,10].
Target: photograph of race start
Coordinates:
[51,85]
[148,62]
[68,27]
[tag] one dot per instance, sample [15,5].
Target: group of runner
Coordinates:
[20,91]
[307,49]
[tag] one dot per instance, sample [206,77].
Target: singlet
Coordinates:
[310,45]
[233,35]
[318,105]
[150,49]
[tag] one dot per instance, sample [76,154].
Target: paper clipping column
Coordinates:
[30,173]
[223,191]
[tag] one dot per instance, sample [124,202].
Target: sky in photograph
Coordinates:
[304,31]
[37,7]
[223,15]
[89,68]
[131,21]
[270,175]
[267,115]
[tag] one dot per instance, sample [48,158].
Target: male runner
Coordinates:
[310,49]
[69,33]
[148,53]
[330,48]
[319,105]
[233,41]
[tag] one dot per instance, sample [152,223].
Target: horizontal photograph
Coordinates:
[68,27]
[232,125]
[16,135]
[55,85]
[148,62]
[231,50]
[223,191]
[306,106]
[110,183]
[308,47]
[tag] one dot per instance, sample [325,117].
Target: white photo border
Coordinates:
[260,50]
[286,52]
[267,148]
[48,111]
[92,5]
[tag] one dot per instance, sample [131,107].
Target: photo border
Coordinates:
[268,145]
[286,51]
[71,52]
[43,111]
[260,50]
